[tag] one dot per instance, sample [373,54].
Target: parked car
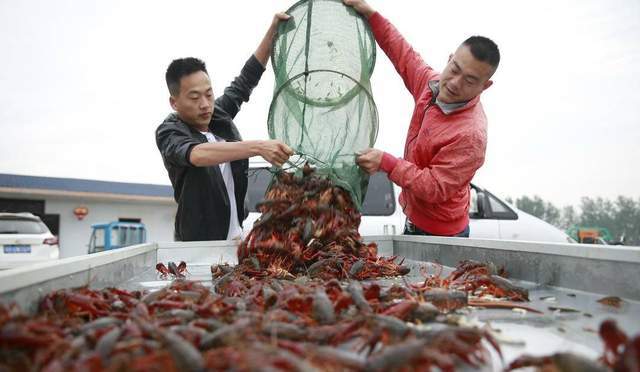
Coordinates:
[490,217]
[493,218]
[25,239]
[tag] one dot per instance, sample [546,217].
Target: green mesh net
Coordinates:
[323,58]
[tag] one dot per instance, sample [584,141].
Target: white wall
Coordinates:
[74,234]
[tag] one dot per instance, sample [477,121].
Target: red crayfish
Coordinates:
[177,271]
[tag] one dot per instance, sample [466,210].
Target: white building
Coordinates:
[55,199]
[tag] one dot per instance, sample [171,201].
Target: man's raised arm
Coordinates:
[241,87]
[264,49]
[409,64]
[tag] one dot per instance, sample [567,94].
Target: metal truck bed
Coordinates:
[568,277]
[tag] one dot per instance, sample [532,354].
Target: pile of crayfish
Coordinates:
[270,324]
[472,283]
[267,324]
[309,226]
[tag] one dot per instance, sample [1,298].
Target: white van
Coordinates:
[490,217]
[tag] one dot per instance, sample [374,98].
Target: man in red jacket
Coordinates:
[447,137]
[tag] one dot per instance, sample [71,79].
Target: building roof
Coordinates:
[18,184]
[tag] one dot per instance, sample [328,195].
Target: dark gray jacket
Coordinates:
[203,203]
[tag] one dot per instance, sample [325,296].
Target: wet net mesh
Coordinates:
[323,58]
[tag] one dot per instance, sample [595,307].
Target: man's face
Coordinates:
[464,77]
[194,103]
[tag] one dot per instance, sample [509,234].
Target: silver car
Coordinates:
[25,239]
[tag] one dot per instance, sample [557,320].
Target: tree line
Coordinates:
[621,216]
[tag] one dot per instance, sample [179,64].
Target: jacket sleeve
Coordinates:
[175,146]
[413,70]
[450,169]
[240,88]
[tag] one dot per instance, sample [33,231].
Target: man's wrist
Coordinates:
[388,162]
[367,13]
[254,147]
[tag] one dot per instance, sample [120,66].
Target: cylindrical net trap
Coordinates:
[323,58]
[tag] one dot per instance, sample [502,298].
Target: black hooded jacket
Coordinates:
[203,203]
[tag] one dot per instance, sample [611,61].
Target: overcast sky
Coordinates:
[82,85]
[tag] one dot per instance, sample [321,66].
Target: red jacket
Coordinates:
[442,151]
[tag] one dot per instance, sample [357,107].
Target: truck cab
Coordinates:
[118,234]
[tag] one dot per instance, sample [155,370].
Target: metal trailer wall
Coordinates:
[610,271]
[27,285]
[607,270]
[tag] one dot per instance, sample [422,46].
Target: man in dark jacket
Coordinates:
[203,152]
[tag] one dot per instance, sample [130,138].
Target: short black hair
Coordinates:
[484,50]
[180,68]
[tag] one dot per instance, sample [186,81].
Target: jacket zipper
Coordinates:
[410,142]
